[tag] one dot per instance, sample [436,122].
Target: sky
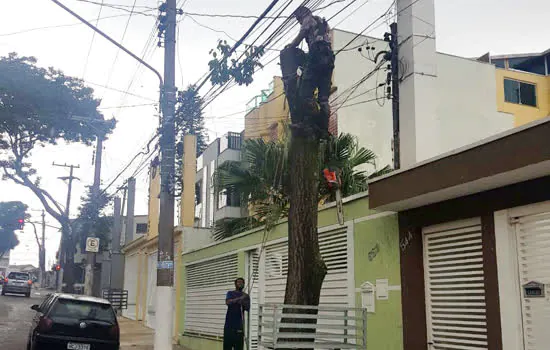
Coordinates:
[39,28]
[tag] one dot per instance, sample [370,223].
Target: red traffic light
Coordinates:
[21,221]
[57,267]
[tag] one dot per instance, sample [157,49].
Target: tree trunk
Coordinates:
[306,268]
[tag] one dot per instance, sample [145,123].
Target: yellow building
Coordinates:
[141,254]
[267,112]
[523,85]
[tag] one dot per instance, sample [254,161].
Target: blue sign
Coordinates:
[165,265]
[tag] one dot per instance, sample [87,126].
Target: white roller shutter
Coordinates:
[206,286]
[130,284]
[533,237]
[253,289]
[334,249]
[455,292]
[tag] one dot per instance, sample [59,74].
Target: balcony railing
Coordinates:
[231,140]
[310,327]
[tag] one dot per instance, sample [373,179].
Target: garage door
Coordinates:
[130,284]
[206,285]
[533,246]
[455,290]
[334,249]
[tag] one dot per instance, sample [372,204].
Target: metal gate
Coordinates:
[455,290]
[533,247]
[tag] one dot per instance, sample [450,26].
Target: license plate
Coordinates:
[78,346]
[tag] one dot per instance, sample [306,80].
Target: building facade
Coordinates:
[364,251]
[523,85]
[474,233]
[212,206]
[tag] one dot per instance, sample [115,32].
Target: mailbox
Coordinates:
[533,290]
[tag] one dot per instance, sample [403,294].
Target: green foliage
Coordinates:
[92,221]
[189,118]
[10,212]
[262,178]
[189,121]
[224,67]
[37,107]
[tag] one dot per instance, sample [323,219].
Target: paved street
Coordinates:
[15,317]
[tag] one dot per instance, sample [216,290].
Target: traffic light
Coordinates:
[20,224]
[57,267]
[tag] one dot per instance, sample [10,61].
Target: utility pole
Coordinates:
[129,232]
[91,256]
[117,259]
[66,255]
[165,263]
[394,47]
[42,252]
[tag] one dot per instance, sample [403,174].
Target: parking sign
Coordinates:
[92,244]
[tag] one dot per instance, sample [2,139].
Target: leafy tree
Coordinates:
[262,178]
[10,214]
[92,221]
[225,65]
[37,106]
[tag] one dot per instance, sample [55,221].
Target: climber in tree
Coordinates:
[320,62]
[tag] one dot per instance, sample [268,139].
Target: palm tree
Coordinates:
[262,179]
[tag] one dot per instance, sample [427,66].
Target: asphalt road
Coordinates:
[15,319]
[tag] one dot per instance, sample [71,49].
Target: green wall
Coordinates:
[376,249]
[378,236]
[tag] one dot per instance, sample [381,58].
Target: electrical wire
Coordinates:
[59,26]
[92,42]
[122,7]
[122,43]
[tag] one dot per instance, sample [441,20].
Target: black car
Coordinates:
[74,322]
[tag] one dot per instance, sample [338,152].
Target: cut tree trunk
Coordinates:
[306,268]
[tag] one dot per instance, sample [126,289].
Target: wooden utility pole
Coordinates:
[66,256]
[395,94]
[165,260]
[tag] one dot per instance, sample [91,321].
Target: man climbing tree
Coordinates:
[319,64]
[306,268]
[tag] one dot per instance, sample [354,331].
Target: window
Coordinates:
[228,197]
[499,63]
[19,276]
[222,199]
[520,93]
[83,310]
[528,64]
[198,193]
[141,228]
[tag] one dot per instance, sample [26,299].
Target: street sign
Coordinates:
[92,244]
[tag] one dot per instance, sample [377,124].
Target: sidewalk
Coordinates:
[135,336]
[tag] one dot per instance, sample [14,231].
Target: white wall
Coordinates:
[138,219]
[466,102]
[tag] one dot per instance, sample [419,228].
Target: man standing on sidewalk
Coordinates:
[237,303]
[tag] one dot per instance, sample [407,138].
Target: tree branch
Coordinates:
[35,234]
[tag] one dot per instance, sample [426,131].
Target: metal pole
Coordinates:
[395,95]
[165,263]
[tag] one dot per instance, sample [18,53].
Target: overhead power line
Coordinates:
[58,26]
[92,42]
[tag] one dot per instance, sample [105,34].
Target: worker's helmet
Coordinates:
[301,12]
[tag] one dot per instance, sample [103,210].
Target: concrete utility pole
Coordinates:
[117,259]
[165,263]
[395,93]
[42,253]
[66,255]
[130,225]
[91,256]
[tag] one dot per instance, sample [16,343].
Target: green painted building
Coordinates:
[362,257]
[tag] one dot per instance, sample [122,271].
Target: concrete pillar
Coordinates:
[130,226]
[419,123]
[117,258]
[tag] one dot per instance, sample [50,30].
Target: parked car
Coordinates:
[17,283]
[74,322]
